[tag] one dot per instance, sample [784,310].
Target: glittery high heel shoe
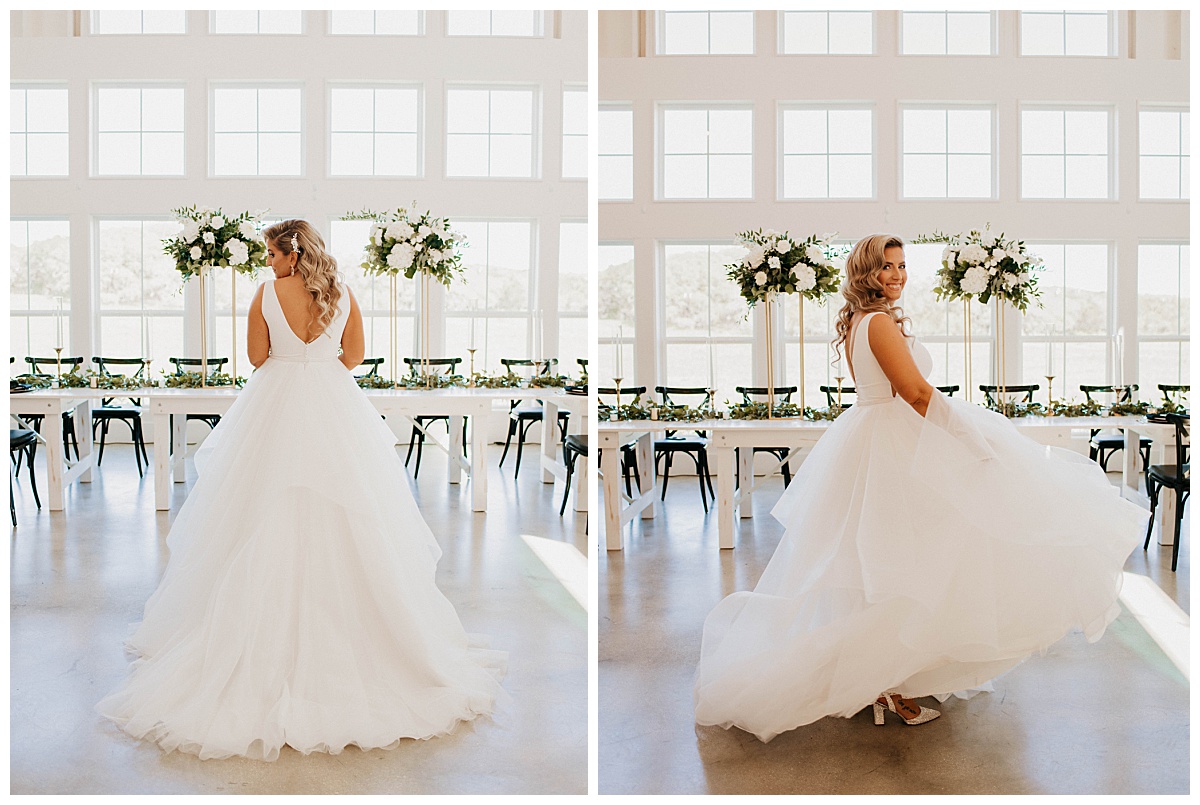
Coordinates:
[887,702]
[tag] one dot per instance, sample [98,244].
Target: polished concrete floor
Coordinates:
[1108,717]
[79,577]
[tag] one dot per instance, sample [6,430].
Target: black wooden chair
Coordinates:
[783,394]
[524,414]
[1174,394]
[694,447]
[193,365]
[68,418]
[374,363]
[421,421]
[574,446]
[1175,476]
[991,394]
[583,365]
[629,465]
[22,442]
[1102,445]
[107,413]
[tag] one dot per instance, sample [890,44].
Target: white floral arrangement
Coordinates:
[982,265]
[209,237]
[776,263]
[411,244]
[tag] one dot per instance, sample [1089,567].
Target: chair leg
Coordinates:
[666,476]
[142,442]
[700,472]
[103,434]
[708,475]
[787,471]
[567,490]
[12,506]
[512,425]
[1178,527]
[412,440]
[33,475]
[135,425]
[1153,504]
[420,449]
[521,431]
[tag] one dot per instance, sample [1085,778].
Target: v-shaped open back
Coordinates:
[284,341]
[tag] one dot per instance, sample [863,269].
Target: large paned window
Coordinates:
[708,337]
[574,133]
[827,32]
[615,182]
[347,244]
[1066,153]
[257,22]
[376,23]
[572,296]
[948,153]
[706,152]
[493,23]
[1067,33]
[826,152]
[140,294]
[1164,155]
[683,33]
[375,131]
[139,22]
[616,317]
[1072,334]
[1164,307]
[490,132]
[39,261]
[494,304]
[257,131]
[946,33]
[38,131]
[139,131]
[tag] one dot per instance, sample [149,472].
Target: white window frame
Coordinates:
[212,26]
[29,314]
[992,23]
[1113,186]
[535,134]
[948,107]
[1112,36]
[786,106]
[571,87]
[1152,393]
[627,339]
[421,28]
[781,22]
[213,86]
[35,85]
[94,129]
[622,106]
[660,32]
[330,86]
[1162,107]
[540,33]
[660,144]
[93,32]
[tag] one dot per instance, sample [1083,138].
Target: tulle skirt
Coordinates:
[922,554]
[299,604]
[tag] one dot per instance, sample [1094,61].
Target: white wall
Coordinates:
[1158,74]
[43,49]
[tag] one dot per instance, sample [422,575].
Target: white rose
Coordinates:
[999,254]
[209,237]
[760,278]
[424,231]
[1010,280]
[948,255]
[774,263]
[218,221]
[974,281]
[195,252]
[814,255]
[754,255]
[238,252]
[783,246]
[992,269]
[247,231]
[435,256]
[806,278]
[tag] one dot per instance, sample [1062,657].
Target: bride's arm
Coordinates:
[896,360]
[258,340]
[353,345]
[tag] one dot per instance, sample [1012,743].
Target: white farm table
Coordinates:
[168,408]
[727,435]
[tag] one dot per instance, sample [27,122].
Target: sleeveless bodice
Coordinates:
[871,385]
[287,346]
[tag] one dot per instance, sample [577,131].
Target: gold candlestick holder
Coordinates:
[58,359]
[471,382]
[617,383]
[839,382]
[712,399]
[1049,389]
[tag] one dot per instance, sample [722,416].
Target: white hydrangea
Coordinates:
[436,256]
[191,231]
[760,279]
[974,281]
[218,221]
[754,255]
[239,253]
[1010,280]
[774,263]
[806,277]
[972,254]
[424,231]
[999,255]
[195,252]
[401,256]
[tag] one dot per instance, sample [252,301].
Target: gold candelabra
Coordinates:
[58,352]
[617,383]
[1049,389]
[839,382]
[471,382]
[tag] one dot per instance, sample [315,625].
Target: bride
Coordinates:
[928,546]
[299,604]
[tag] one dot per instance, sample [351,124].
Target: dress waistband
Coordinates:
[302,359]
[860,403]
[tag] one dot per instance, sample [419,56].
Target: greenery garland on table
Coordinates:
[665,413]
[210,238]
[192,380]
[508,380]
[67,380]
[404,242]
[435,381]
[758,410]
[548,381]
[374,382]
[120,382]
[776,264]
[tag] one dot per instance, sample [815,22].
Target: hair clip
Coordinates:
[295,244]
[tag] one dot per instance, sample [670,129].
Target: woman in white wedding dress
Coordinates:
[299,604]
[928,547]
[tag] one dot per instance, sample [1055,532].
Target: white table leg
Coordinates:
[549,439]
[479,429]
[162,462]
[646,473]
[746,470]
[1129,469]
[453,468]
[54,455]
[610,468]
[83,434]
[179,454]
[727,515]
[581,483]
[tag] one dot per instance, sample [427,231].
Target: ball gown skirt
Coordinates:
[922,554]
[299,604]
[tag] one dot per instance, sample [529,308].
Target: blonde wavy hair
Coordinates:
[862,289]
[317,268]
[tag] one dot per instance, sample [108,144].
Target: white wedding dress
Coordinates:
[299,604]
[925,555]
